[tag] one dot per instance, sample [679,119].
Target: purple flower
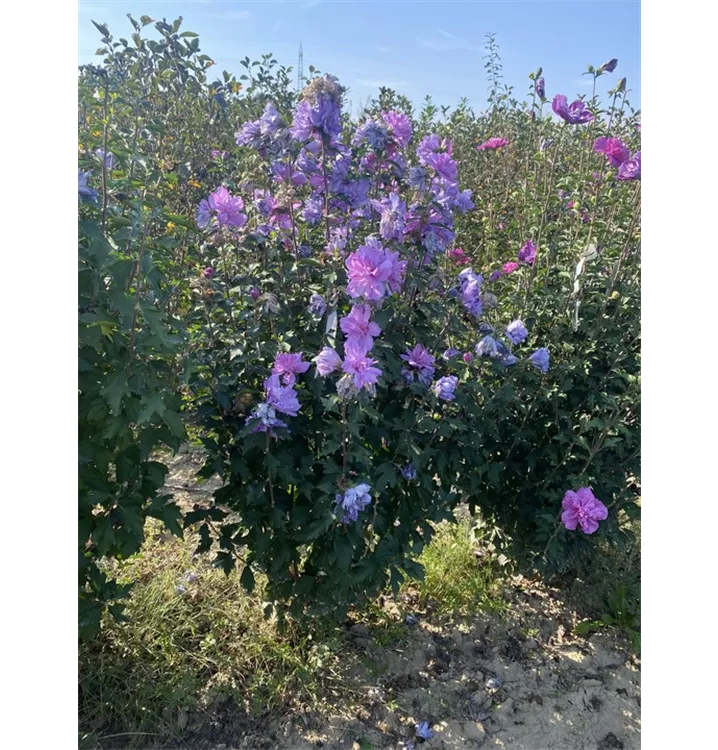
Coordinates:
[504,355]
[282,398]
[423,731]
[353,501]
[493,143]
[270,120]
[321,117]
[575,113]
[495,275]
[615,150]
[516,332]
[450,353]
[226,208]
[327,361]
[527,254]
[509,267]
[540,359]
[468,357]
[83,191]
[540,88]
[417,178]
[584,509]
[445,167]
[608,67]
[312,212]
[444,387]
[399,127]
[359,329]
[631,169]
[361,368]
[317,305]
[265,419]
[409,472]
[254,293]
[289,365]
[373,272]
[392,210]
[248,134]
[422,360]
[208,272]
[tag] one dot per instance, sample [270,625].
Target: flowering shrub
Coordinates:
[365,323]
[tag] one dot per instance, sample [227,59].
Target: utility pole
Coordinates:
[300,68]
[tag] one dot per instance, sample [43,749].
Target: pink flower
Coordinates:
[282,398]
[459,256]
[369,270]
[359,329]
[509,267]
[361,368]
[289,365]
[493,143]
[584,509]
[327,361]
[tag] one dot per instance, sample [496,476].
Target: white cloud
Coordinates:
[445,41]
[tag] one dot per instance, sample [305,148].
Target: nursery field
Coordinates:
[359,409]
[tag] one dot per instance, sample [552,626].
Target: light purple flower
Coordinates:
[493,143]
[631,169]
[312,212]
[320,118]
[248,134]
[109,159]
[317,305]
[353,501]
[487,348]
[584,509]
[399,127]
[361,368]
[224,206]
[409,472]
[264,418]
[83,191]
[423,731]
[540,359]
[270,120]
[444,387]
[615,150]
[417,178]
[392,210]
[282,398]
[289,365]
[444,165]
[450,353]
[421,360]
[359,329]
[575,113]
[327,361]
[527,254]
[516,332]
[370,269]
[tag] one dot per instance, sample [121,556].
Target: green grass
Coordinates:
[181,651]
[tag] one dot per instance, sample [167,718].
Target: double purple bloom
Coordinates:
[582,508]
[631,169]
[615,150]
[575,113]
[421,362]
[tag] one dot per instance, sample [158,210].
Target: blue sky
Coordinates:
[418,47]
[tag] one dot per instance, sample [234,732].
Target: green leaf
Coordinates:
[247,579]
[153,404]
[115,390]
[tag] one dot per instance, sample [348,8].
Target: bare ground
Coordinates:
[558,691]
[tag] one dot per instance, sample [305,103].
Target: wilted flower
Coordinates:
[608,67]
[504,354]
[540,88]
[327,361]
[264,419]
[545,143]
[289,365]
[317,305]
[540,359]
[575,113]
[527,254]
[631,169]
[615,150]
[584,509]
[444,387]
[181,589]
[493,143]
[423,731]
[487,347]
[516,332]
[353,501]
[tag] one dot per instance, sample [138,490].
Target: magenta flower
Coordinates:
[615,150]
[282,398]
[327,361]
[359,329]
[493,143]
[527,254]
[360,367]
[584,509]
[575,113]
[509,267]
[369,271]
[208,272]
[631,169]
[468,357]
[289,365]
[399,127]
[459,256]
